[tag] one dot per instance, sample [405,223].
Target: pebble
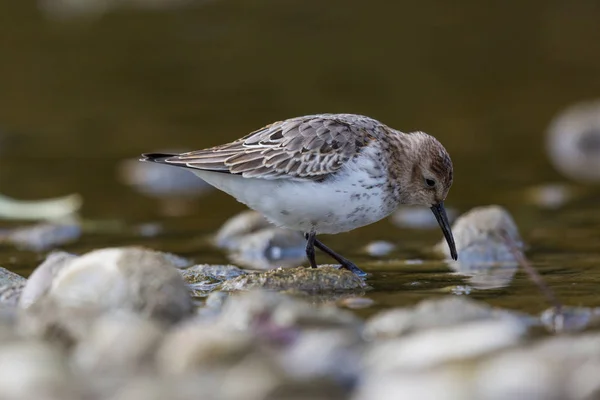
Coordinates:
[439,313]
[161,181]
[573,142]
[36,210]
[195,346]
[127,278]
[30,369]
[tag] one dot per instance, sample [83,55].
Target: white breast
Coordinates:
[355,197]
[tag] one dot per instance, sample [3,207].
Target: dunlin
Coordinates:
[327,173]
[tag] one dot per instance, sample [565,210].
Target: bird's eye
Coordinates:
[430,182]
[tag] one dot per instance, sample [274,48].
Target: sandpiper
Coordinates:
[327,173]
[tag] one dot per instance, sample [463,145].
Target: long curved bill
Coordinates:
[440,214]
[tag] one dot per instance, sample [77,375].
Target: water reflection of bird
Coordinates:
[485,256]
[327,173]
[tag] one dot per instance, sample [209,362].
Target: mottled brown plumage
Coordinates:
[326,173]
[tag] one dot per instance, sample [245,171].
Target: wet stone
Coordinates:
[314,280]
[207,273]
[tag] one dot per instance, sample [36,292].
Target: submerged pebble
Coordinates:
[484,255]
[313,280]
[573,142]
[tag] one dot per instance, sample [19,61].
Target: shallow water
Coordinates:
[79,95]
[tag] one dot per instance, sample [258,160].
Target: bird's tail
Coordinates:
[160,158]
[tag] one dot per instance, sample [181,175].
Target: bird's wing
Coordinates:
[304,148]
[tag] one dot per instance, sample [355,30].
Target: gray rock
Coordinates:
[570,319]
[42,237]
[565,368]
[325,353]
[270,248]
[312,280]
[444,312]
[202,274]
[129,278]
[9,277]
[279,316]
[117,344]
[438,384]
[41,278]
[573,142]
[194,346]
[234,230]
[11,293]
[35,370]
[434,347]
[161,180]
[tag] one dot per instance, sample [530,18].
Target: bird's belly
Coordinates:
[329,207]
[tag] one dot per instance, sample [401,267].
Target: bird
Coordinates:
[327,174]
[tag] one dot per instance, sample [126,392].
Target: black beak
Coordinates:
[440,214]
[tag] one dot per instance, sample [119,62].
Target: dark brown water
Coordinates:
[78,95]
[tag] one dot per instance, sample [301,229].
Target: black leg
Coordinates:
[310,248]
[349,265]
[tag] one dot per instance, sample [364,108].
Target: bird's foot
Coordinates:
[350,266]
